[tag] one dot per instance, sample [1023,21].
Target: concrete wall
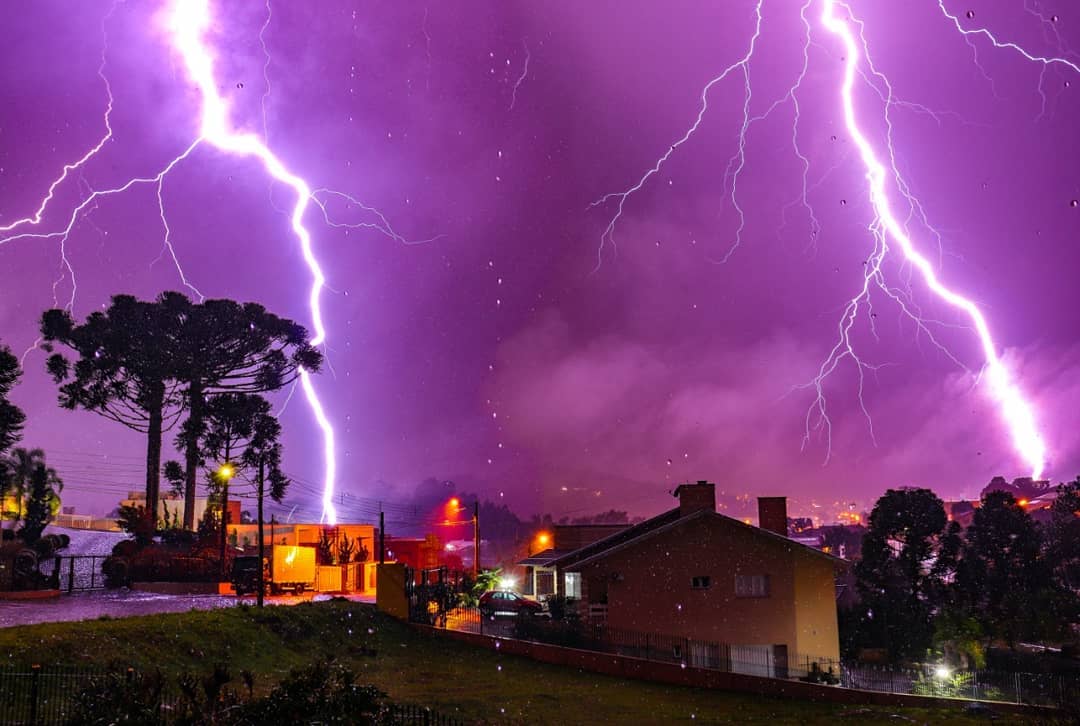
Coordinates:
[649,588]
[390,594]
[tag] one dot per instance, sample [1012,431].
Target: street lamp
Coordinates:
[225,472]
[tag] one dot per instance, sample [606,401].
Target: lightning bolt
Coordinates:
[888,232]
[521,78]
[188,21]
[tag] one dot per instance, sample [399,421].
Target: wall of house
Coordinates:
[817,632]
[649,587]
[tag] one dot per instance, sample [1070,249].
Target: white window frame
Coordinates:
[752,586]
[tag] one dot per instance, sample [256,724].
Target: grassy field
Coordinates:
[478,685]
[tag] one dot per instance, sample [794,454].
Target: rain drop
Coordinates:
[669,462]
[832,138]
[843,202]
[970,14]
[1053,18]
[239,85]
[1074,203]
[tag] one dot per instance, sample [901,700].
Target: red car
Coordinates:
[503,601]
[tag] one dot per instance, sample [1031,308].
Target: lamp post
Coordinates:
[224,473]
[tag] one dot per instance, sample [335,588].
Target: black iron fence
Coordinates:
[41,695]
[81,572]
[771,661]
[407,714]
[57,695]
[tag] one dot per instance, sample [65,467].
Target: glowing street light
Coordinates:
[225,472]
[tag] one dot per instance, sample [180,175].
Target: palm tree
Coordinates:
[20,465]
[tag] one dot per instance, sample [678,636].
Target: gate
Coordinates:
[81,572]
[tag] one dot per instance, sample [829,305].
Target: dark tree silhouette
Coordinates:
[238,430]
[904,532]
[11,417]
[21,465]
[228,347]
[1063,536]
[38,504]
[124,368]
[1003,578]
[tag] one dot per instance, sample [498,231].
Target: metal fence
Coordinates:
[50,695]
[407,714]
[81,572]
[1043,689]
[41,695]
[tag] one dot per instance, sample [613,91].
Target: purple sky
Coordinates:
[494,356]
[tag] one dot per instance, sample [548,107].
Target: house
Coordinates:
[539,576]
[696,574]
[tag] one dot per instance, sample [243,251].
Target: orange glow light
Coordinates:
[455,502]
[543,538]
[1023,502]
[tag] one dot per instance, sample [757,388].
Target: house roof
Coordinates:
[630,533]
[574,562]
[543,558]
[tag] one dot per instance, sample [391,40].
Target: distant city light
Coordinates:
[507,583]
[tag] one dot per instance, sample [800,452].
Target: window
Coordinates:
[573,585]
[545,582]
[751,585]
[701,582]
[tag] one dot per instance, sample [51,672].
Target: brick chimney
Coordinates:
[695,497]
[772,514]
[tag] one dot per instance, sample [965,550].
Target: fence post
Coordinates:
[71,574]
[35,675]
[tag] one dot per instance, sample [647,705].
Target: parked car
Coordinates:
[504,601]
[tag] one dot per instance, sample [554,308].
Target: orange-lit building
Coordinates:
[692,572]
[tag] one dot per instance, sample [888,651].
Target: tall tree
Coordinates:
[238,432]
[1003,578]
[39,503]
[895,579]
[1063,536]
[11,417]
[264,455]
[22,465]
[229,347]
[124,369]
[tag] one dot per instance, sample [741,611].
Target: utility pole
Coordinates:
[476,539]
[262,543]
[382,536]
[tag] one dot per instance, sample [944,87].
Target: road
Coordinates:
[94,604]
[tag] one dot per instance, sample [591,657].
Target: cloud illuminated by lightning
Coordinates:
[886,229]
[188,21]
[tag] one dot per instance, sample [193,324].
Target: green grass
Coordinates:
[477,684]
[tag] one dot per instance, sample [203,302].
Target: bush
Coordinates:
[324,692]
[134,698]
